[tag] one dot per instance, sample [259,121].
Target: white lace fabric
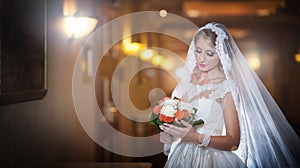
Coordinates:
[267,138]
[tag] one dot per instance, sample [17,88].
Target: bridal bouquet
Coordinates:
[172,111]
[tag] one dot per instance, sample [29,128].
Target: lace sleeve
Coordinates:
[220,91]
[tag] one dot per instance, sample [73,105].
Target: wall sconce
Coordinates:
[78,25]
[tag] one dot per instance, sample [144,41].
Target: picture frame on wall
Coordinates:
[23,51]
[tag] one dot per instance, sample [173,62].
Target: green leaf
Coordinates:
[195,110]
[158,122]
[154,116]
[153,122]
[198,122]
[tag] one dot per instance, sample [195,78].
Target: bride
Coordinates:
[243,126]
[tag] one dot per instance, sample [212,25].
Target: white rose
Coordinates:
[170,102]
[168,110]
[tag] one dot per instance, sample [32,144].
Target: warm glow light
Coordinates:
[254,61]
[132,47]
[77,27]
[263,12]
[193,13]
[83,66]
[113,109]
[146,55]
[230,8]
[126,40]
[163,13]
[69,7]
[158,60]
[110,109]
[168,65]
[297,57]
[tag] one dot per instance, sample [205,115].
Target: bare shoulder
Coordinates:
[228,103]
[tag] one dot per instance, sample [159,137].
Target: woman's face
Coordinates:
[206,56]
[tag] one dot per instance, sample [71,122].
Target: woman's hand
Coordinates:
[166,138]
[188,133]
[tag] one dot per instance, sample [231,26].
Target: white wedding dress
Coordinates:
[266,137]
[187,154]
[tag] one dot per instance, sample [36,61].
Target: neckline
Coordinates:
[211,84]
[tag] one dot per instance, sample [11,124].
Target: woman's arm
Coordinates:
[228,142]
[232,138]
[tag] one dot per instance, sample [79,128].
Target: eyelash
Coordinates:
[198,51]
[209,54]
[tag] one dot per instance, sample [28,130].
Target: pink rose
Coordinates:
[164,99]
[157,109]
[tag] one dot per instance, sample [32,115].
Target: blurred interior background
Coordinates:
[47,132]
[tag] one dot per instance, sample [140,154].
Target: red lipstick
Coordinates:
[202,65]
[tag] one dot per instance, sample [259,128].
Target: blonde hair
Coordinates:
[208,35]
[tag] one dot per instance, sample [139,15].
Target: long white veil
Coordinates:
[267,138]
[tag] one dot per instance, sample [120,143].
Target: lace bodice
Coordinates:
[210,108]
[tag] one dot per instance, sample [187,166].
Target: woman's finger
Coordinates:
[170,131]
[188,125]
[166,141]
[177,132]
[166,138]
